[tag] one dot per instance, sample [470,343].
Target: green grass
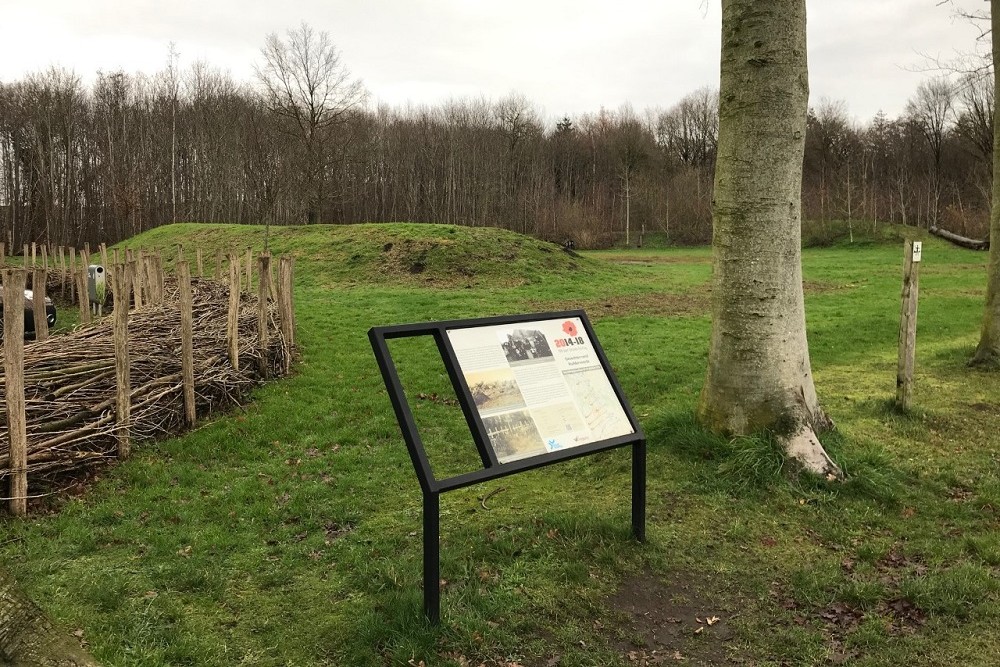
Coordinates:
[288,533]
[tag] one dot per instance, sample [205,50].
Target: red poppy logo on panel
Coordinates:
[569,328]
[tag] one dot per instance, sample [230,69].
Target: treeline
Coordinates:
[127,153]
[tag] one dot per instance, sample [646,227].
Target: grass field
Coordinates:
[288,533]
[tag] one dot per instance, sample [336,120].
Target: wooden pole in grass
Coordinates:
[187,339]
[71,276]
[121,278]
[286,307]
[199,262]
[13,361]
[3,253]
[34,254]
[263,293]
[62,272]
[218,264]
[912,251]
[84,293]
[45,257]
[135,280]
[249,270]
[38,304]
[232,321]
[104,256]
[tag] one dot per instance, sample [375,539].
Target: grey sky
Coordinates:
[568,56]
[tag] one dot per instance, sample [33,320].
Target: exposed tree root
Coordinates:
[805,449]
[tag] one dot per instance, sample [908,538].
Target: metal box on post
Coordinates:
[97,284]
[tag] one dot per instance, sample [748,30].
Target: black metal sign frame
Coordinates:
[432,487]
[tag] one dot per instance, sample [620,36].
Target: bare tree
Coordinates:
[305,82]
[759,376]
[930,110]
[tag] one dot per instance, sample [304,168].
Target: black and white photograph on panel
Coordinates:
[494,390]
[525,345]
[513,436]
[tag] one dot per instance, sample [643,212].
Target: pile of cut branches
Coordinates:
[70,379]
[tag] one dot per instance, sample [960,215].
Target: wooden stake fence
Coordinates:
[126,280]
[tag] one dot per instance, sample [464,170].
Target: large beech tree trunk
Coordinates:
[988,351]
[28,638]
[759,377]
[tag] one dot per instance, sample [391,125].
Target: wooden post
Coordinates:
[72,274]
[232,321]
[286,306]
[38,304]
[263,293]
[199,262]
[45,258]
[912,251]
[187,339]
[249,269]
[26,255]
[135,280]
[84,293]
[3,253]
[218,264]
[34,254]
[123,385]
[179,247]
[13,361]
[62,272]
[104,256]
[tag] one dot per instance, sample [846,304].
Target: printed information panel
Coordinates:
[538,386]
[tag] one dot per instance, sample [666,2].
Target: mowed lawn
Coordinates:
[289,533]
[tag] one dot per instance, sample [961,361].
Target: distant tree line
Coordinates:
[300,145]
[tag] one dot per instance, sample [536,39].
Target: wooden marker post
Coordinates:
[3,253]
[263,293]
[123,385]
[38,304]
[104,256]
[218,265]
[84,294]
[72,275]
[201,264]
[187,339]
[249,270]
[13,361]
[908,324]
[232,321]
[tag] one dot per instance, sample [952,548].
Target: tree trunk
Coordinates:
[28,638]
[988,351]
[759,377]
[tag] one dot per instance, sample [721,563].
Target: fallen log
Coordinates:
[961,241]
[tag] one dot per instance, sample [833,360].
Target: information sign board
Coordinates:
[534,389]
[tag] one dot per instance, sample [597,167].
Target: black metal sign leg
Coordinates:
[639,491]
[432,557]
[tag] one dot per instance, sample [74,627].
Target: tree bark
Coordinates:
[759,377]
[28,638]
[987,353]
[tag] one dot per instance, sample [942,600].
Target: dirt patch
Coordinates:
[671,621]
[659,304]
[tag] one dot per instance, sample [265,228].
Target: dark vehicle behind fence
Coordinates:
[29,318]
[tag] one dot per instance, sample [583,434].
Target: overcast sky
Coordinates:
[568,56]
